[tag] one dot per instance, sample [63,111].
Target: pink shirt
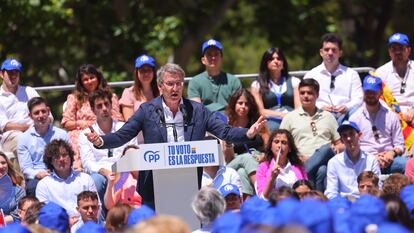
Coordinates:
[291,174]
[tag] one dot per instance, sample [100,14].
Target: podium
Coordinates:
[174,168]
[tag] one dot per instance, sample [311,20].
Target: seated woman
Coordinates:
[275,91]
[144,89]
[12,186]
[242,112]
[77,114]
[282,166]
[301,188]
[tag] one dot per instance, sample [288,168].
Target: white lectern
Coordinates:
[174,168]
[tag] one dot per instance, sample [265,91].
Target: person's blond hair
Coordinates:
[161,224]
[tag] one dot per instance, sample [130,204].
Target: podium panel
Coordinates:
[174,170]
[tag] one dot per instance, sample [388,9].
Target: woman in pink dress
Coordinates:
[282,166]
[144,89]
[78,114]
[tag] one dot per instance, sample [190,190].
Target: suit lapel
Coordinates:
[161,130]
[188,130]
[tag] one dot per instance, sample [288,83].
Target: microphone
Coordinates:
[185,115]
[161,115]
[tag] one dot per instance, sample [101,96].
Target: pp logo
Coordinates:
[371,80]
[228,187]
[14,62]
[144,58]
[151,156]
[211,42]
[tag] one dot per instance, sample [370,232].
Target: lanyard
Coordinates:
[278,93]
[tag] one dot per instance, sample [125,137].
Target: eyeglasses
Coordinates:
[402,90]
[313,127]
[333,77]
[376,132]
[172,84]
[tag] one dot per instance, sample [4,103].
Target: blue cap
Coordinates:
[15,228]
[53,216]
[229,222]
[365,211]
[211,43]
[137,215]
[314,215]
[144,60]
[91,227]
[11,64]
[229,189]
[407,196]
[392,227]
[399,38]
[252,209]
[372,83]
[347,125]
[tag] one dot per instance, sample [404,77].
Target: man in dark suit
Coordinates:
[171,118]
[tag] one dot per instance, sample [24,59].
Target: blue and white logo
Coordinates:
[151,156]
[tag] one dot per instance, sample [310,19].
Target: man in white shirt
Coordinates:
[340,86]
[344,168]
[14,115]
[31,145]
[64,184]
[98,162]
[398,74]
[88,208]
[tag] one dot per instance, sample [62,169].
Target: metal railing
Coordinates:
[298,73]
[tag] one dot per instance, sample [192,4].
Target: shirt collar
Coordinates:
[72,173]
[303,113]
[339,70]
[362,156]
[166,108]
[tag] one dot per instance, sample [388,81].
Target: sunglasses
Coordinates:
[376,132]
[333,77]
[313,127]
[402,90]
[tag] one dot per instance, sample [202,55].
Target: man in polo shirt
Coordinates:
[344,168]
[31,145]
[314,132]
[381,128]
[340,86]
[213,87]
[398,74]
[14,115]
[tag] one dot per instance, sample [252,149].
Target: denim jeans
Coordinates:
[100,183]
[397,165]
[316,166]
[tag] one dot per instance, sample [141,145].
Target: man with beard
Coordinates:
[340,86]
[344,168]
[31,145]
[398,74]
[381,128]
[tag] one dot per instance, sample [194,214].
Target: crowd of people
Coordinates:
[329,152]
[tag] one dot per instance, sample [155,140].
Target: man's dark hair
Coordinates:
[34,102]
[87,195]
[52,151]
[310,82]
[100,94]
[333,38]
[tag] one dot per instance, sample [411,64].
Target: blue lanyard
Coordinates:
[278,93]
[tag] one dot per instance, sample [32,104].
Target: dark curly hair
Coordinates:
[80,91]
[52,151]
[253,114]
[292,156]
